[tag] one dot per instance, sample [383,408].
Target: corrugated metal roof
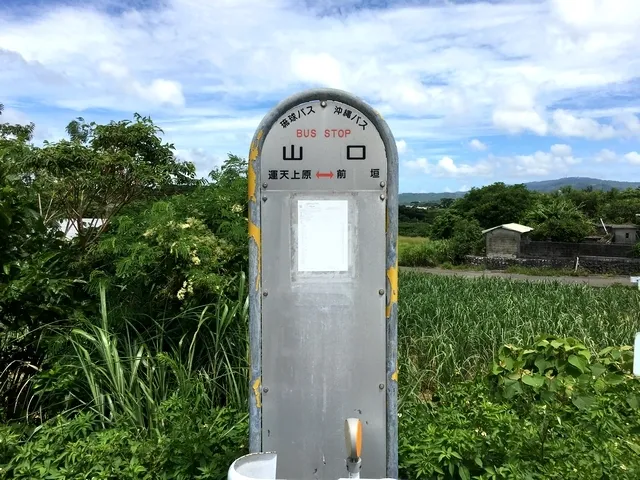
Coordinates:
[514,227]
[624,225]
[613,225]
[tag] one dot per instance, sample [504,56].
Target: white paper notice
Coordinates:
[323,235]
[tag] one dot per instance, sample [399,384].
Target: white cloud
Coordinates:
[476,144]
[633,158]
[567,125]
[557,161]
[627,123]
[320,69]
[518,121]
[542,163]
[446,167]
[203,161]
[609,156]
[517,111]
[208,71]
[561,150]
[606,155]
[11,115]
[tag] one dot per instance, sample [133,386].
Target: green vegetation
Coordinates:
[565,215]
[451,327]
[544,186]
[422,252]
[123,350]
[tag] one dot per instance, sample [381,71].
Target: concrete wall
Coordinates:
[573,250]
[624,236]
[594,265]
[502,243]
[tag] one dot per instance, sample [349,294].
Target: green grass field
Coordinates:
[450,328]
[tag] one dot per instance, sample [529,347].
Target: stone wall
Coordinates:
[573,250]
[594,265]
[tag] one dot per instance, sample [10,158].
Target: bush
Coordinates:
[123,376]
[428,253]
[444,225]
[466,240]
[413,229]
[548,410]
[193,443]
[557,219]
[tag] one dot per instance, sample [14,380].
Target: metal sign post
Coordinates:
[323,197]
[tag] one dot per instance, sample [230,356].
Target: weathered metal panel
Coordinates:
[323,343]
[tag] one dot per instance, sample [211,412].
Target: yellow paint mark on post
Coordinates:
[254,232]
[251,174]
[256,391]
[392,275]
[394,375]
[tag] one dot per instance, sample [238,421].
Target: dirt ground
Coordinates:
[592,280]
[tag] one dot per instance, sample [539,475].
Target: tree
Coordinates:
[495,204]
[588,200]
[446,202]
[34,286]
[466,240]
[100,169]
[443,226]
[623,208]
[182,250]
[15,214]
[557,219]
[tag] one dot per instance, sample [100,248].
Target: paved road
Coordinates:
[593,280]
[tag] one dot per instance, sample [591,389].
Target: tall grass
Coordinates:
[423,252]
[451,327]
[126,374]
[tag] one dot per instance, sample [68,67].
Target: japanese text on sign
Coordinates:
[295,116]
[306,174]
[345,112]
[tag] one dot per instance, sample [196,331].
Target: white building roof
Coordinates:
[514,227]
[70,229]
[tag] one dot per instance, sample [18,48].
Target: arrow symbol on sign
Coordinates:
[324,175]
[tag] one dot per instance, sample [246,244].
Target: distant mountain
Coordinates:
[579,183]
[545,186]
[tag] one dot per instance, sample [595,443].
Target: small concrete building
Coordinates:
[625,234]
[503,241]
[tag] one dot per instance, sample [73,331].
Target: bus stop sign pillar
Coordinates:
[323,223]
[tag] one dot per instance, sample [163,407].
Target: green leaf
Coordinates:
[634,447]
[579,362]
[585,353]
[508,363]
[542,364]
[633,401]
[583,402]
[614,379]
[598,369]
[512,389]
[464,473]
[536,380]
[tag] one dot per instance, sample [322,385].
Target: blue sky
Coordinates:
[475,92]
